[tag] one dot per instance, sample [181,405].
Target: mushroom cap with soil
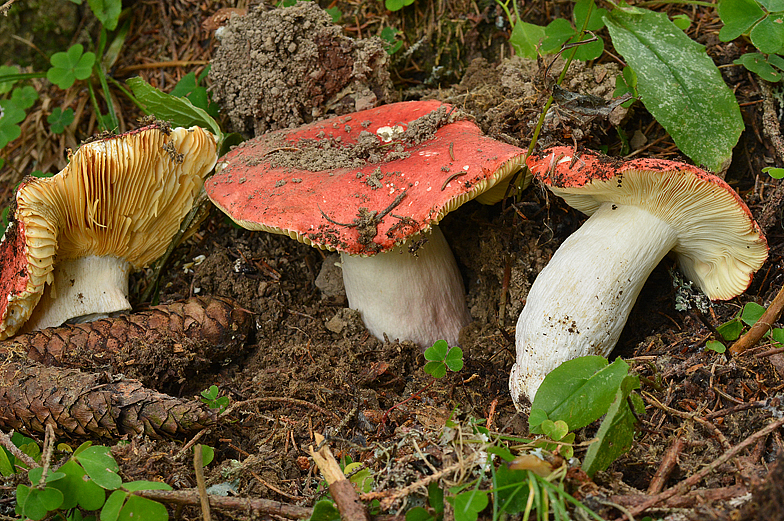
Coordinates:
[75,237]
[373,185]
[639,211]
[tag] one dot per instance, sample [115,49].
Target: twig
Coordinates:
[6,6]
[47,454]
[697,477]
[190,497]
[761,327]
[198,467]
[6,442]
[667,465]
[389,497]
[341,489]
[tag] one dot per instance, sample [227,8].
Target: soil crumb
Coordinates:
[284,67]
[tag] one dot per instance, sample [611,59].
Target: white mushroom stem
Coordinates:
[580,301]
[417,297]
[89,287]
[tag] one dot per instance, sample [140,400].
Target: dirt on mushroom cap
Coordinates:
[325,183]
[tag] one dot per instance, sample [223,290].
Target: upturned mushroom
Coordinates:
[373,185]
[639,211]
[75,237]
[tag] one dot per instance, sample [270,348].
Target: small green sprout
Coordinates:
[212,400]
[441,358]
[59,119]
[397,5]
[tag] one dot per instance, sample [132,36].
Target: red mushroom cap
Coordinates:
[279,182]
[720,245]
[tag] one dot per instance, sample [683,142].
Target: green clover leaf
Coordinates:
[59,119]
[67,67]
[10,116]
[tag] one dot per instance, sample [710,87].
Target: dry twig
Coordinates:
[340,488]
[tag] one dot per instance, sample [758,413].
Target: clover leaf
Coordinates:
[69,66]
[10,115]
[59,119]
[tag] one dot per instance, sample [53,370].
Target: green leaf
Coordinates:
[525,38]
[758,64]
[7,467]
[335,13]
[389,35]
[626,82]
[454,359]
[467,505]
[777,61]
[777,334]
[67,67]
[24,97]
[589,51]
[139,508]
[79,489]
[775,173]
[437,352]
[556,33]
[511,489]
[679,84]
[751,313]
[772,5]
[6,70]
[111,509]
[715,345]
[211,393]
[595,22]
[107,12]
[579,391]
[99,464]
[435,497]
[59,119]
[207,455]
[133,486]
[323,510]
[419,514]
[768,35]
[38,503]
[555,430]
[681,21]
[730,331]
[616,432]
[738,17]
[501,452]
[397,5]
[178,111]
[363,479]
[435,369]
[10,116]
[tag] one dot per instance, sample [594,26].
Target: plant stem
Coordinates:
[761,326]
[96,107]
[550,100]
[106,94]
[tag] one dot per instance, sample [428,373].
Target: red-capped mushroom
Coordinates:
[74,237]
[373,185]
[640,210]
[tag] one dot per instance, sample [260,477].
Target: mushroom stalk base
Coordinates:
[580,301]
[417,297]
[89,288]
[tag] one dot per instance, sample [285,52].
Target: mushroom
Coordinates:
[77,235]
[373,185]
[639,211]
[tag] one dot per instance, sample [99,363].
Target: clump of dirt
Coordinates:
[331,153]
[507,98]
[288,66]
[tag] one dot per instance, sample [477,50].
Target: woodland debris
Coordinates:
[340,488]
[166,342]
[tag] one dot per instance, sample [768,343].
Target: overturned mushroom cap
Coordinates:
[118,203]
[719,246]
[329,183]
